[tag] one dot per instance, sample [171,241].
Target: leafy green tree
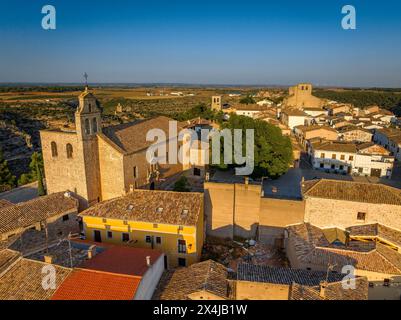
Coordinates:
[181,185]
[35,174]
[247,100]
[272,151]
[6,177]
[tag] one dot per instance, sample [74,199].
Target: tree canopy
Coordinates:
[247,100]
[35,174]
[272,150]
[6,177]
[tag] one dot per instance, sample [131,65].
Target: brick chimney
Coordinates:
[48,258]
[323,286]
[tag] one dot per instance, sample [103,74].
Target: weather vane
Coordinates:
[86,79]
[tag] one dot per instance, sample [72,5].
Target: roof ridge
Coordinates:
[107,272]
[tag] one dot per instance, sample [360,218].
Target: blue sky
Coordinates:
[207,42]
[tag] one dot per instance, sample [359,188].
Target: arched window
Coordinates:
[53,146]
[94,125]
[87,127]
[90,108]
[69,150]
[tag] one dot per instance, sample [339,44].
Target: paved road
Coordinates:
[21,194]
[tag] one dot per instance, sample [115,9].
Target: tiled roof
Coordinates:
[336,146]
[304,128]
[5,203]
[23,281]
[250,107]
[376,230]
[332,291]
[351,191]
[143,205]
[203,276]
[312,247]
[280,275]
[122,260]
[352,128]
[27,213]
[7,257]
[295,112]
[95,285]
[131,137]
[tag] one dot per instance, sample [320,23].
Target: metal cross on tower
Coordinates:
[86,79]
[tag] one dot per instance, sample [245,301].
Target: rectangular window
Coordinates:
[342,157]
[351,158]
[109,235]
[66,217]
[386,282]
[148,239]
[158,240]
[322,165]
[135,172]
[322,155]
[361,216]
[155,225]
[125,237]
[182,246]
[197,172]
[334,156]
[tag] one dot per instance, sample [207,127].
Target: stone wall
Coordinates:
[64,173]
[325,213]
[232,209]
[275,215]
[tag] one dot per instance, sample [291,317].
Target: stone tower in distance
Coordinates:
[216,103]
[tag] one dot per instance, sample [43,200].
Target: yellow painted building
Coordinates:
[172,222]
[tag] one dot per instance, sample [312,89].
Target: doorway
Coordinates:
[97,236]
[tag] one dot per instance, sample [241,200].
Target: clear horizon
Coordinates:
[260,43]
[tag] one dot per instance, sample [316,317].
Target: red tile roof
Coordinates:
[94,285]
[122,260]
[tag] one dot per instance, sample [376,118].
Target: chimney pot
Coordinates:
[91,251]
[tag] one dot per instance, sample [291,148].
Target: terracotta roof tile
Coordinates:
[351,191]
[122,260]
[333,291]
[142,205]
[94,285]
[27,213]
[179,283]
[312,247]
[131,137]
[23,281]
[280,275]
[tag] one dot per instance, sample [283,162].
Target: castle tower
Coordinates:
[216,103]
[88,123]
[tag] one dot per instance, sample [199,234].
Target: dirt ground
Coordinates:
[230,253]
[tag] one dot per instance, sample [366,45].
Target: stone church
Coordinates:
[102,163]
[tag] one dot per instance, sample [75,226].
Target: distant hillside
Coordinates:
[388,99]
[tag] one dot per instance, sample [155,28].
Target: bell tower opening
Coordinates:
[88,115]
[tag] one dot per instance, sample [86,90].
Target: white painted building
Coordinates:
[365,159]
[390,139]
